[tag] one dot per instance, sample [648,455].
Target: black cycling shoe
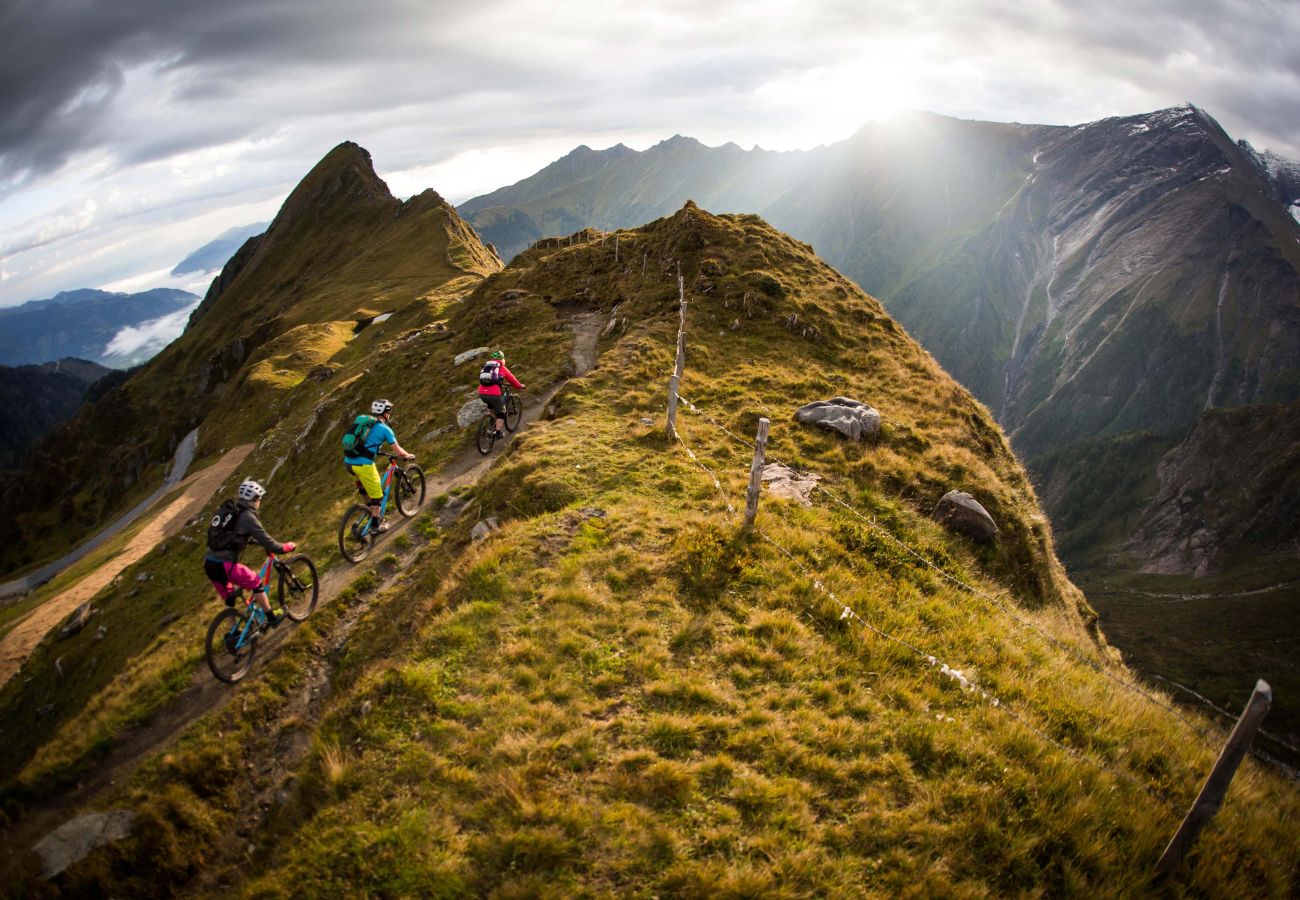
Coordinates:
[272,621]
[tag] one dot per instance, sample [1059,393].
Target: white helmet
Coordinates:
[250,490]
[379,407]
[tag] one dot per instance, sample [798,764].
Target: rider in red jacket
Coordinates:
[490,378]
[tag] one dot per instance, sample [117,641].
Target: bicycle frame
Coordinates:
[256,615]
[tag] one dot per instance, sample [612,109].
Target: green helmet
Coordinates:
[496,354]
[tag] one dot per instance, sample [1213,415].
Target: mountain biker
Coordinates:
[490,379]
[234,525]
[361,462]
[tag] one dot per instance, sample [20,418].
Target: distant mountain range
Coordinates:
[113,329]
[216,253]
[36,398]
[1093,284]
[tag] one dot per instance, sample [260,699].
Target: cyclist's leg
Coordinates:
[368,475]
[497,404]
[242,576]
[216,573]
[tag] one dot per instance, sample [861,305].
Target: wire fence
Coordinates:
[998,600]
[944,669]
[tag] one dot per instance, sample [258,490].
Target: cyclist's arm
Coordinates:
[508,376]
[397,449]
[252,526]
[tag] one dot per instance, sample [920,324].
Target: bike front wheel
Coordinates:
[354,533]
[298,587]
[231,644]
[487,434]
[514,412]
[410,490]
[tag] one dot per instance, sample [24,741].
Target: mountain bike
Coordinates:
[232,637]
[487,428]
[355,533]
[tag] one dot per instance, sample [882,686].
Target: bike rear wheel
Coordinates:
[354,533]
[410,490]
[487,434]
[514,412]
[229,659]
[298,587]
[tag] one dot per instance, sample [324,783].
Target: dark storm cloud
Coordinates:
[63,64]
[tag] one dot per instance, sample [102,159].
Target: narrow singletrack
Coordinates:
[205,694]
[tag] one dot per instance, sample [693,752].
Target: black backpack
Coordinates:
[221,531]
[490,374]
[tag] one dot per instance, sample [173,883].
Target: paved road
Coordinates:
[180,463]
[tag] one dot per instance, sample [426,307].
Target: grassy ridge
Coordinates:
[618,693]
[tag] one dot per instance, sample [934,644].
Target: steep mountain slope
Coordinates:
[36,398]
[342,248]
[79,323]
[619,691]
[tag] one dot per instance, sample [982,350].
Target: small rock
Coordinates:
[58,667]
[45,710]
[436,433]
[187,539]
[77,620]
[143,577]
[787,483]
[365,708]
[484,528]
[646,420]
[591,512]
[469,354]
[99,635]
[166,620]
[74,841]
[963,513]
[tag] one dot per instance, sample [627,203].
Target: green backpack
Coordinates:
[354,441]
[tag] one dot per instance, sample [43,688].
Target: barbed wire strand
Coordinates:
[1204,734]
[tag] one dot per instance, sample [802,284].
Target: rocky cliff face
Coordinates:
[1230,490]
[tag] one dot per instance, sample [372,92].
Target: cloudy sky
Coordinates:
[133,131]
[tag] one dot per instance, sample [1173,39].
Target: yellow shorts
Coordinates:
[368,475]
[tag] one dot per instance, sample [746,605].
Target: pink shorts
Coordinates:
[237,575]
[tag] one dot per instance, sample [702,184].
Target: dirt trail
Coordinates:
[18,644]
[285,748]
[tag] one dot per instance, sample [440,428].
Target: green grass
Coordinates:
[619,693]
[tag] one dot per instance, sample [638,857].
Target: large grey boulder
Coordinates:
[73,841]
[849,417]
[963,513]
[471,412]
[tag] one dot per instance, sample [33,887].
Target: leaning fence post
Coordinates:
[615,248]
[675,381]
[1211,796]
[756,473]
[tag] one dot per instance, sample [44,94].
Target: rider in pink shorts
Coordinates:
[234,525]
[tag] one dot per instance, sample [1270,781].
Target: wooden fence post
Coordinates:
[756,473]
[1212,792]
[675,381]
[615,248]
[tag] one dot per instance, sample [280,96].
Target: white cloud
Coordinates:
[136,343]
